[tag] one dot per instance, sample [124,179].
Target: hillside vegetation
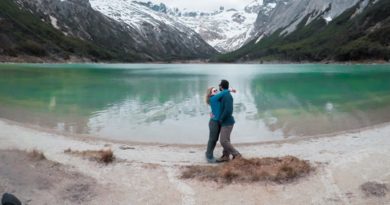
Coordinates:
[352,36]
[24,34]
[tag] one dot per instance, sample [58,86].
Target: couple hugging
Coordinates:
[221,122]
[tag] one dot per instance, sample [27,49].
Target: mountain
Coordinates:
[156,31]
[324,30]
[149,40]
[225,29]
[287,14]
[25,37]
[141,31]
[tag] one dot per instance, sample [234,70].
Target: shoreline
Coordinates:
[203,62]
[148,174]
[89,137]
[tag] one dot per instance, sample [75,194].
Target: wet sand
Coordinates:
[149,173]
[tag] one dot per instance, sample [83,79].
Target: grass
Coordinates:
[105,156]
[280,170]
[36,155]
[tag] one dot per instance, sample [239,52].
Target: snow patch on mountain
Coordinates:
[53,21]
[328,19]
[259,38]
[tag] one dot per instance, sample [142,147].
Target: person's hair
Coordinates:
[208,95]
[224,84]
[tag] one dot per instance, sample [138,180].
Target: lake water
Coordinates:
[165,103]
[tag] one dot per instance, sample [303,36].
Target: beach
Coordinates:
[116,102]
[150,173]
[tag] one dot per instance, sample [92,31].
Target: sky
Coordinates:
[204,5]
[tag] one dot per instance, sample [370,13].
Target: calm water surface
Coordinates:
[165,103]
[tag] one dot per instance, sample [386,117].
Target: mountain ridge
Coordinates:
[356,34]
[134,31]
[160,33]
[116,41]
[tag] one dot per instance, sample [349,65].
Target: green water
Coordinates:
[164,103]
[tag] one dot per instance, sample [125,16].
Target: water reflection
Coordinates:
[164,103]
[318,103]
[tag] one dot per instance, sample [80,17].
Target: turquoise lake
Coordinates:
[164,103]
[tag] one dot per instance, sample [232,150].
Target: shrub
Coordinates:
[103,156]
[33,48]
[36,155]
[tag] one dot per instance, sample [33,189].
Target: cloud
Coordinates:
[204,5]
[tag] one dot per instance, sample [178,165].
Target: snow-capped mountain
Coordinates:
[153,31]
[124,27]
[229,29]
[171,36]
[225,29]
[138,16]
[321,30]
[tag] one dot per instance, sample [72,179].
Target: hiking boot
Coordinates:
[237,156]
[211,160]
[224,158]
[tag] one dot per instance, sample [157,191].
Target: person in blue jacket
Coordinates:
[213,98]
[226,121]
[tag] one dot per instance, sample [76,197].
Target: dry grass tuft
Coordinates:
[103,156]
[374,189]
[280,170]
[36,155]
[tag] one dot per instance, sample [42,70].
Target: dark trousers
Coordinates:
[215,129]
[228,148]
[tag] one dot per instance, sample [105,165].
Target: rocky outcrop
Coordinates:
[287,14]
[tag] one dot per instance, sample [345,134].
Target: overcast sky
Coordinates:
[204,5]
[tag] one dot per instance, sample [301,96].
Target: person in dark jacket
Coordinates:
[213,99]
[226,120]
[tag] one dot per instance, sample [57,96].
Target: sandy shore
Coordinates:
[148,174]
